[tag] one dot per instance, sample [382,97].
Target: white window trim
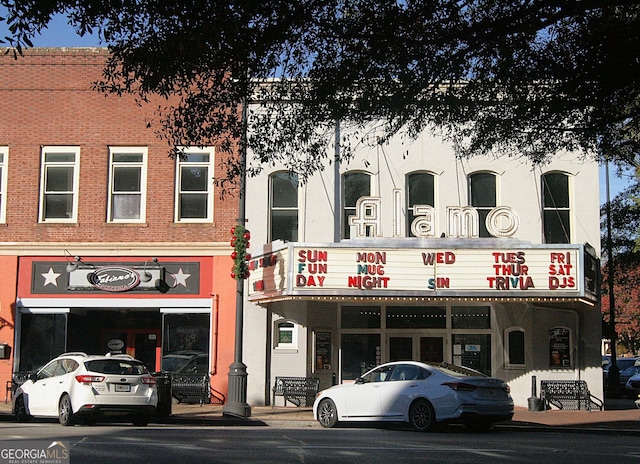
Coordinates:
[210,197]
[294,336]
[570,209]
[507,353]
[76,182]
[143,182]
[3,184]
[280,208]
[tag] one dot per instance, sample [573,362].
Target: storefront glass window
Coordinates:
[414,317]
[360,317]
[360,352]
[42,338]
[470,317]
[472,351]
[186,343]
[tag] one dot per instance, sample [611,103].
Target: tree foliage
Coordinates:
[625,246]
[519,78]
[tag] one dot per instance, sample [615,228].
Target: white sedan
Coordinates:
[417,393]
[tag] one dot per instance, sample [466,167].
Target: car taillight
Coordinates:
[148,380]
[460,386]
[89,379]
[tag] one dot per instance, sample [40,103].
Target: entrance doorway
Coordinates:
[417,348]
[142,344]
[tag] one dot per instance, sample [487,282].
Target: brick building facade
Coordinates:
[81,175]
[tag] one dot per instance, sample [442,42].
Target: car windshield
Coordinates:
[116,366]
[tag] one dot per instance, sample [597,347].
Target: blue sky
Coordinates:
[60,34]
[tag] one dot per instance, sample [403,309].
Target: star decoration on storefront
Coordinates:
[50,278]
[180,278]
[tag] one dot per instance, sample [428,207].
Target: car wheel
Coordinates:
[65,412]
[21,410]
[327,413]
[141,420]
[422,417]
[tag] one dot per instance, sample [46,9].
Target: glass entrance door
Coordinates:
[416,348]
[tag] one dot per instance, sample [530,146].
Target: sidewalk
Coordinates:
[620,416]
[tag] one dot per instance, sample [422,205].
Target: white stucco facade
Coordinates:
[465,324]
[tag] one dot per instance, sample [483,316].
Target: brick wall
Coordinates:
[46,99]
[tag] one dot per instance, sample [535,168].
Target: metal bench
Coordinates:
[300,391]
[191,388]
[568,394]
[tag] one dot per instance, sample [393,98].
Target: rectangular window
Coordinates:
[470,317]
[361,317]
[194,185]
[420,191]
[284,207]
[59,184]
[483,196]
[415,317]
[127,184]
[4,155]
[42,338]
[557,208]
[356,185]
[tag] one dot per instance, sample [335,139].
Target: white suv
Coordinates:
[77,386]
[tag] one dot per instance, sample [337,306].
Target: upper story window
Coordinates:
[194,185]
[483,197]
[420,191]
[4,155]
[556,208]
[59,184]
[356,185]
[127,184]
[283,206]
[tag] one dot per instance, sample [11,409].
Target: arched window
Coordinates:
[556,206]
[356,185]
[283,207]
[514,344]
[420,191]
[483,197]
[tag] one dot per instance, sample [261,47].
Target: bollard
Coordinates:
[535,403]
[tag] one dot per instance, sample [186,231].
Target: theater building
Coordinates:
[106,243]
[406,252]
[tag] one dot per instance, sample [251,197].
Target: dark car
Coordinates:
[186,362]
[622,363]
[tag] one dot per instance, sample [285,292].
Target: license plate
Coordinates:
[123,388]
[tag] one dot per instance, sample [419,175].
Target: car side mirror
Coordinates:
[33,376]
[360,380]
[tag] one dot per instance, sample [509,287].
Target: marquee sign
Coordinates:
[334,269]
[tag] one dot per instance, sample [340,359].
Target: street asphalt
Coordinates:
[619,416]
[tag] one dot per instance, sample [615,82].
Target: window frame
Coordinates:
[556,209]
[294,180]
[210,186]
[483,210]
[507,348]
[142,165]
[44,165]
[4,167]
[291,327]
